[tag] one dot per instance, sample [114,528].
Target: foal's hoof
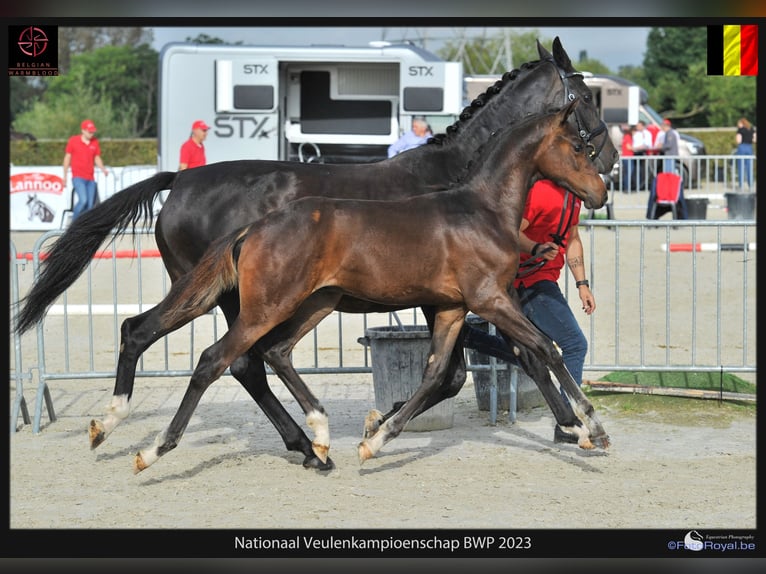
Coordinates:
[313,461]
[320,450]
[372,423]
[139,464]
[96,433]
[365,452]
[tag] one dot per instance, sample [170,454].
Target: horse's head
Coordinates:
[591,129]
[563,157]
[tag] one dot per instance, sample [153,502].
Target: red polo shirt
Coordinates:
[192,153]
[545,202]
[83,155]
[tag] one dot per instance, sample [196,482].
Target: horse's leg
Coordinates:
[136,335]
[250,371]
[276,347]
[508,317]
[213,362]
[447,325]
[454,379]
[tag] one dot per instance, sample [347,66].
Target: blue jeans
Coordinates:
[545,306]
[85,189]
[744,166]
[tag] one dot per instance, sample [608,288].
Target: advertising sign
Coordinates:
[38,198]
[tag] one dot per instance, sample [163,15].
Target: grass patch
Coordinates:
[676,410]
[683,380]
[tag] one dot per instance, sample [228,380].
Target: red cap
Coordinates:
[200,125]
[666,121]
[88,126]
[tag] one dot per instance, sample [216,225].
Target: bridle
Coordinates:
[585,135]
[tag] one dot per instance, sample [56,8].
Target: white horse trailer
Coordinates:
[305,103]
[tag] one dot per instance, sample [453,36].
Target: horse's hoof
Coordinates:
[372,423]
[585,443]
[96,433]
[365,452]
[139,464]
[314,462]
[320,450]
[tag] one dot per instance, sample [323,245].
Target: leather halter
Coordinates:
[585,135]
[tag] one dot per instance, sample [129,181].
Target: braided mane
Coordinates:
[480,101]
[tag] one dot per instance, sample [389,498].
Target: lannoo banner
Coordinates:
[37,198]
[732,50]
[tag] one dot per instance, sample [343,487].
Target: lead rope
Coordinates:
[536,261]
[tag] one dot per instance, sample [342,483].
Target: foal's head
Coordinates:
[563,158]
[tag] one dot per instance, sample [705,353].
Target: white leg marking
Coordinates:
[116,412]
[149,455]
[319,424]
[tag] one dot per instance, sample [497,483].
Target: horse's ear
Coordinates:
[544,54]
[567,111]
[560,56]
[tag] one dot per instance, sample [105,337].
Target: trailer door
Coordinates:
[246,108]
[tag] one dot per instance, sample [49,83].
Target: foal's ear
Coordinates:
[544,54]
[567,111]
[560,56]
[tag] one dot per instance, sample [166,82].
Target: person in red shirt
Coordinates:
[82,153]
[548,238]
[193,150]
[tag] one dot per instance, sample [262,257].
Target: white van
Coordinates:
[624,102]
[620,102]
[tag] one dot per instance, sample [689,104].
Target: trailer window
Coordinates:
[423,99]
[322,115]
[253,97]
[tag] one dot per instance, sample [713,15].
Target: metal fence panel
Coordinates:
[657,309]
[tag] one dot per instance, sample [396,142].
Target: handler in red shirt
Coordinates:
[82,152]
[548,237]
[193,150]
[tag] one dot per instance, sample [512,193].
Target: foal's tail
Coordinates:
[72,252]
[197,291]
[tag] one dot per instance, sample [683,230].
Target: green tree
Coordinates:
[492,54]
[675,76]
[116,86]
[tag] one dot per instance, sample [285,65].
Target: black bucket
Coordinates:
[740,205]
[399,356]
[696,207]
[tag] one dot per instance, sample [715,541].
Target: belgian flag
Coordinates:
[732,50]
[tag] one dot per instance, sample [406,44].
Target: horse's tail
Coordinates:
[197,291]
[72,252]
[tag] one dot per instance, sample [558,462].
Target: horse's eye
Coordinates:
[578,148]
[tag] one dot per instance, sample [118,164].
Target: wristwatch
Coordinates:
[581,283]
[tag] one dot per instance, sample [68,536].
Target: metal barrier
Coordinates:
[657,309]
[701,173]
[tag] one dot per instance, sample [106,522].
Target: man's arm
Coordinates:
[576,265]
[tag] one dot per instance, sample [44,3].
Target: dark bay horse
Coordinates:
[208,202]
[455,250]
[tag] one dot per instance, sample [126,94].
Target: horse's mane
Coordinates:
[479,102]
[474,162]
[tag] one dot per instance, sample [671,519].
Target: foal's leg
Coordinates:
[512,323]
[454,379]
[276,347]
[447,326]
[213,362]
